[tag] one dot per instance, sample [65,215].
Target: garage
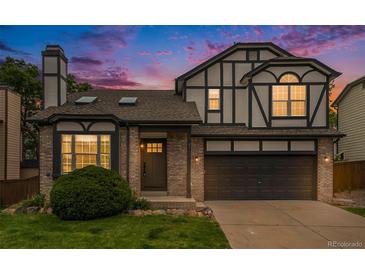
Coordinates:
[266,176]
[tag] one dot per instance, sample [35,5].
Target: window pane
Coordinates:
[66,143]
[86,144]
[289,78]
[66,163]
[105,144]
[297,108]
[280,109]
[297,92]
[83,160]
[154,147]
[280,92]
[105,161]
[214,99]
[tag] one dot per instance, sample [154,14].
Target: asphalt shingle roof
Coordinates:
[152,106]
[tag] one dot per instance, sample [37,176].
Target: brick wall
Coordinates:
[45,159]
[134,161]
[176,163]
[123,152]
[197,168]
[325,170]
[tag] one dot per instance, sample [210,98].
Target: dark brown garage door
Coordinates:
[259,177]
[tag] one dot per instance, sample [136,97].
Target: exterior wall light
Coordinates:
[196,158]
[141,145]
[326,159]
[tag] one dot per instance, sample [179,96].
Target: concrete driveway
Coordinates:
[288,224]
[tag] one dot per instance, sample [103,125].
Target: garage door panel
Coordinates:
[281,177]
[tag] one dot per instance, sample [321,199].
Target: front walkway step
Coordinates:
[171,202]
[153,193]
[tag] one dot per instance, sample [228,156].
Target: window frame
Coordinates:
[289,100]
[73,149]
[218,99]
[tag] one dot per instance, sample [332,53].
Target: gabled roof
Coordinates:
[293,60]
[347,88]
[153,107]
[233,48]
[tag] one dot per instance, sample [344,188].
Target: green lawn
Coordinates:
[122,231]
[357,210]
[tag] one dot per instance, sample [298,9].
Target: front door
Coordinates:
[153,164]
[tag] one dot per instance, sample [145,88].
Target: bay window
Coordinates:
[80,150]
[289,98]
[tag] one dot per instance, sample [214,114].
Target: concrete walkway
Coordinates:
[288,224]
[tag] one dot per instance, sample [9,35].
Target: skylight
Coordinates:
[128,101]
[85,100]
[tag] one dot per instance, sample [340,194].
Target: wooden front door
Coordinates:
[153,164]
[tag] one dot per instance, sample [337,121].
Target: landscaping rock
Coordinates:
[49,210]
[9,210]
[136,212]
[159,212]
[32,209]
[21,210]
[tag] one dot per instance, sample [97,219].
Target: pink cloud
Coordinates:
[163,52]
[314,40]
[144,53]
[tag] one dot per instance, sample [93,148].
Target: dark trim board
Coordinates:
[261,151]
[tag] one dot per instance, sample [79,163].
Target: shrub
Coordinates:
[89,193]
[37,200]
[140,203]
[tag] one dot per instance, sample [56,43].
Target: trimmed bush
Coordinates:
[140,203]
[37,200]
[89,193]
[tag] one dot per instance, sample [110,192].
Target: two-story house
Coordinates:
[249,123]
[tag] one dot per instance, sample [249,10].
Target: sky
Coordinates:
[151,57]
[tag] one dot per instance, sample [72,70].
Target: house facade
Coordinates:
[10,135]
[351,121]
[249,123]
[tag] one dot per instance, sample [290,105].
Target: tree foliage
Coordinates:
[24,78]
[73,86]
[332,113]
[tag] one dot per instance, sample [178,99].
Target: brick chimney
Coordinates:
[54,67]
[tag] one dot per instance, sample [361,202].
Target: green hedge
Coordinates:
[89,193]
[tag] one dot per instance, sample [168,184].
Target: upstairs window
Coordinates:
[289,98]
[213,99]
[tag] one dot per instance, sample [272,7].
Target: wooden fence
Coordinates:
[14,191]
[348,176]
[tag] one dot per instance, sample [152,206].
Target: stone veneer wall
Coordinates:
[134,161]
[176,163]
[45,159]
[197,168]
[325,170]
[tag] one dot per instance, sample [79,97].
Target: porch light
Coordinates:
[326,159]
[141,145]
[196,158]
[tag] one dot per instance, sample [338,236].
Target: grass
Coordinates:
[121,231]
[357,210]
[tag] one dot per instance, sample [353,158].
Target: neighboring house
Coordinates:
[10,135]
[351,121]
[249,123]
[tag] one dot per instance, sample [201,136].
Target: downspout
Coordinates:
[128,135]
[6,135]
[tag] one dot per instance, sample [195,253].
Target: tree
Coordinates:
[332,113]
[24,78]
[73,86]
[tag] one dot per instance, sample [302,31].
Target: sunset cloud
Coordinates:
[85,61]
[6,48]
[314,40]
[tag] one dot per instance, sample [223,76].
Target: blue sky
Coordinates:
[136,57]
